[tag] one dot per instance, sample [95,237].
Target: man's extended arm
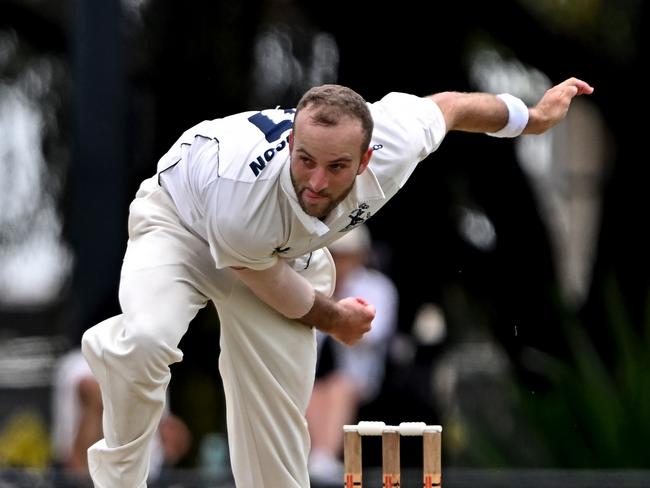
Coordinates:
[483,112]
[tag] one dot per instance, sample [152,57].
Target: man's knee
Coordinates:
[91,344]
[141,338]
[151,333]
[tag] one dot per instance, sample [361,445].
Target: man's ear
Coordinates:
[365,159]
[291,140]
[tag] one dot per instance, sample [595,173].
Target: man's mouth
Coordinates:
[313,196]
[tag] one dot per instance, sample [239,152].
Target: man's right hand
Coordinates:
[357,317]
[346,320]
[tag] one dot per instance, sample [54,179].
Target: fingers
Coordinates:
[358,322]
[352,336]
[369,308]
[578,86]
[585,89]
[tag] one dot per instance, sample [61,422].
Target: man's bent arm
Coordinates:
[280,287]
[483,112]
[286,291]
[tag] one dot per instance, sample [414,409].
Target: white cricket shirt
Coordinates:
[230,180]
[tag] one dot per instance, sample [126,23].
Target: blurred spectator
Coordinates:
[77,421]
[355,374]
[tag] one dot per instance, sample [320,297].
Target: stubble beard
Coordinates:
[333,202]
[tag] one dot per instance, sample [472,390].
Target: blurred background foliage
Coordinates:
[531,253]
[590,412]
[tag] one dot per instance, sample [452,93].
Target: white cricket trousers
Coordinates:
[267,362]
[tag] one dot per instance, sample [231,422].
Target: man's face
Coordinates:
[325,160]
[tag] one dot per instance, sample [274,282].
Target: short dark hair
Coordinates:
[334,102]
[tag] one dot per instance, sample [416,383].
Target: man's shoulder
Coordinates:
[256,146]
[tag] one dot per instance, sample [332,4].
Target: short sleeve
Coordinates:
[240,225]
[232,245]
[407,129]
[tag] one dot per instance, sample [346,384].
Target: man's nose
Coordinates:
[318,180]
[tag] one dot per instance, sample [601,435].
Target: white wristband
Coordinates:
[517,117]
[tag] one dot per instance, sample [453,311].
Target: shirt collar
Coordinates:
[366,189]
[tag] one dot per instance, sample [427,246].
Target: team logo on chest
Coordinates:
[358,216]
